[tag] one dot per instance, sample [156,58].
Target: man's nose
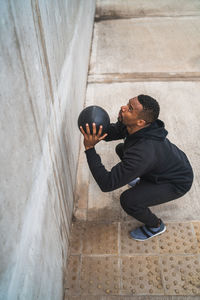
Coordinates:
[123,108]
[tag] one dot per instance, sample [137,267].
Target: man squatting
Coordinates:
[157,170]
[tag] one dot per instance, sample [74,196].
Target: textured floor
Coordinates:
[105,261]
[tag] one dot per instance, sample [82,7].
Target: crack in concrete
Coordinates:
[125,17]
[134,77]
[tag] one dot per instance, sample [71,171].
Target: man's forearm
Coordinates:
[99,172]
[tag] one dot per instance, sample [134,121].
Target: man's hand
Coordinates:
[90,140]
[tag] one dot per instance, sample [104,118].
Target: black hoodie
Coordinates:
[148,154]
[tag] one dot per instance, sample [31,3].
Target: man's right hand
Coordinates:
[90,140]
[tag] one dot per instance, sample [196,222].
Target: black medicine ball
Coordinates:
[94,114]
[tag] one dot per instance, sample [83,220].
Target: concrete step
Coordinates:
[146,45]
[113,9]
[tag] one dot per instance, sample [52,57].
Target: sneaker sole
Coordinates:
[150,236]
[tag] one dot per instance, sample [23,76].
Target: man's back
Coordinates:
[149,147]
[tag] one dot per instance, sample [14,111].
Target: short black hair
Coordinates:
[150,110]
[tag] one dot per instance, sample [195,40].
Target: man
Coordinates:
[148,157]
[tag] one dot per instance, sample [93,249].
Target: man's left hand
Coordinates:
[90,140]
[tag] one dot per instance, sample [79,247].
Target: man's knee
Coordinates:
[124,200]
[129,203]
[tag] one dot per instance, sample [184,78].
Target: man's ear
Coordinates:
[141,123]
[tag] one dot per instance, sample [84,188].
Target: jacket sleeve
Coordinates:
[116,131]
[132,166]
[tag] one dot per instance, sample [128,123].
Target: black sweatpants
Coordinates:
[136,200]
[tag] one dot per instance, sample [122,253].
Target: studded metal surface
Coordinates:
[178,238]
[72,284]
[100,239]
[105,262]
[196,226]
[181,274]
[136,297]
[100,276]
[141,275]
[77,232]
[130,246]
[153,297]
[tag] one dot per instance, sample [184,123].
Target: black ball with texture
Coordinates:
[94,114]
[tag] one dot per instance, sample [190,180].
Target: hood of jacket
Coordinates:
[155,131]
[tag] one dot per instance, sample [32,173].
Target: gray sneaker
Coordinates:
[145,232]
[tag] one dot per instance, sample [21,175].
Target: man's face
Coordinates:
[129,114]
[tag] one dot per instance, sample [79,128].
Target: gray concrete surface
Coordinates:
[157,54]
[45,48]
[180,109]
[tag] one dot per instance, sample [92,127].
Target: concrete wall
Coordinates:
[45,48]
